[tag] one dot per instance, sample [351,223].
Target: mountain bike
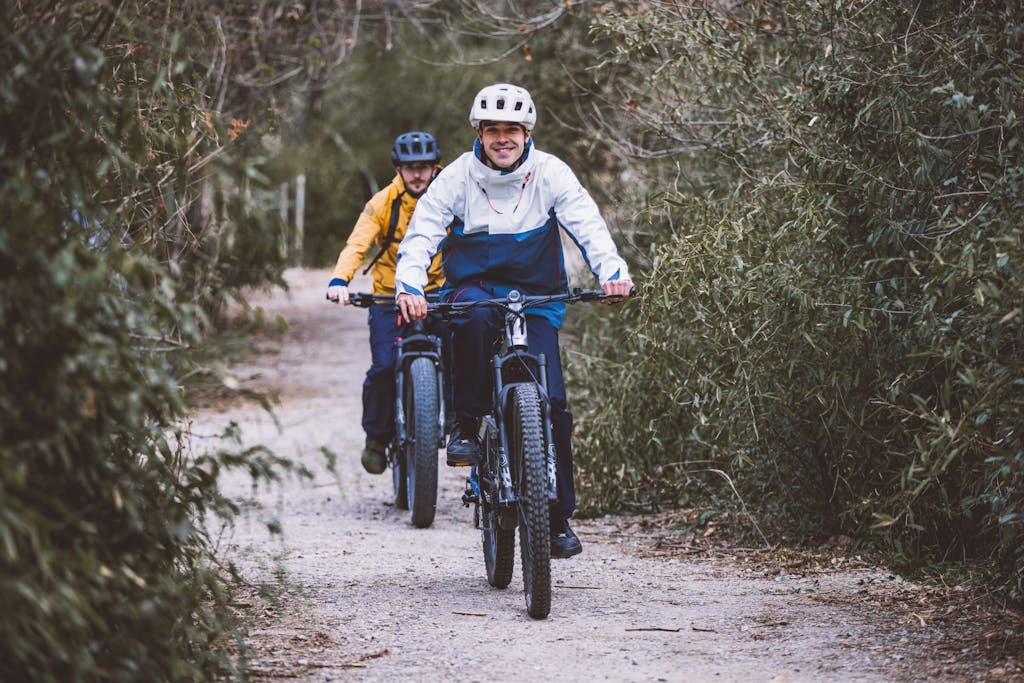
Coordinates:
[419,415]
[514,483]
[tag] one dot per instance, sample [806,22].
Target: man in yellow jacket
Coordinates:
[383,223]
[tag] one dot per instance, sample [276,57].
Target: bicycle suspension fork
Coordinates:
[545,408]
[507,492]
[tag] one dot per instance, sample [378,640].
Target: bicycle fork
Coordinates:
[506,491]
[549,440]
[417,345]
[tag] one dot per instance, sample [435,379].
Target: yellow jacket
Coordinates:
[372,228]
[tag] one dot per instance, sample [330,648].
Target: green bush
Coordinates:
[833,318]
[108,270]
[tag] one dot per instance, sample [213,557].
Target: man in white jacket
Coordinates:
[495,215]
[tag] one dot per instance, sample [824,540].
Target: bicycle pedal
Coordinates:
[470,498]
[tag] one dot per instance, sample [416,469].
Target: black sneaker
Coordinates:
[564,543]
[463,446]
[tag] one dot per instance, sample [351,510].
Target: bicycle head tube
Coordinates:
[515,321]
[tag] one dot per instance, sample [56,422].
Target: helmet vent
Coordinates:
[500,104]
[415,147]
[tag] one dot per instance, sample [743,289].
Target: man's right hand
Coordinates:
[338,294]
[412,306]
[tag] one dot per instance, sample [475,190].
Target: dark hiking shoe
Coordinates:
[374,460]
[564,543]
[463,446]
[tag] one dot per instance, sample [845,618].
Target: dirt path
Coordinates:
[362,595]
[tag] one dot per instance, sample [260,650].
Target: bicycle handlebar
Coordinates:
[365,300]
[574,295]
[434,304]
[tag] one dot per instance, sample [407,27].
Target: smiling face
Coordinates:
[502,142]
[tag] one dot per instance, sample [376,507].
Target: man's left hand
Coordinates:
[616,291]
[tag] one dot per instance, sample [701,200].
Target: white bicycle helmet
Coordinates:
[503,102]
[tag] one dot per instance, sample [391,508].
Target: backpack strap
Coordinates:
[396,206]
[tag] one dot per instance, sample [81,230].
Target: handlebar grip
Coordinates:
[365,299]
[617,298]
[632,292]
[590,294]
[361,299]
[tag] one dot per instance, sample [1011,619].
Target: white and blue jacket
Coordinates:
[500,230]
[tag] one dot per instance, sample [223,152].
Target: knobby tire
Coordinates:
[421,447]
[531,481]
[499,544]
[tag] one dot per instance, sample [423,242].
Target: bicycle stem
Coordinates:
[515,321]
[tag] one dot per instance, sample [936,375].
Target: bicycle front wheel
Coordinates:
[526,437]
[421,413]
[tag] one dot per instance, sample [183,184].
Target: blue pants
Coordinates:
[379,385]
[476,337]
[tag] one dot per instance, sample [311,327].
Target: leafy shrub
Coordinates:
[108,269]
[837,326]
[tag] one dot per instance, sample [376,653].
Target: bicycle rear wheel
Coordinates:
[499,533]
[422,411]
[399,478]
[526,437]
[499,548]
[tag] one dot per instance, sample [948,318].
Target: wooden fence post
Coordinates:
[284,244]
[300,211]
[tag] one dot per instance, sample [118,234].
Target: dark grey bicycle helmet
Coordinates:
[415,147]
